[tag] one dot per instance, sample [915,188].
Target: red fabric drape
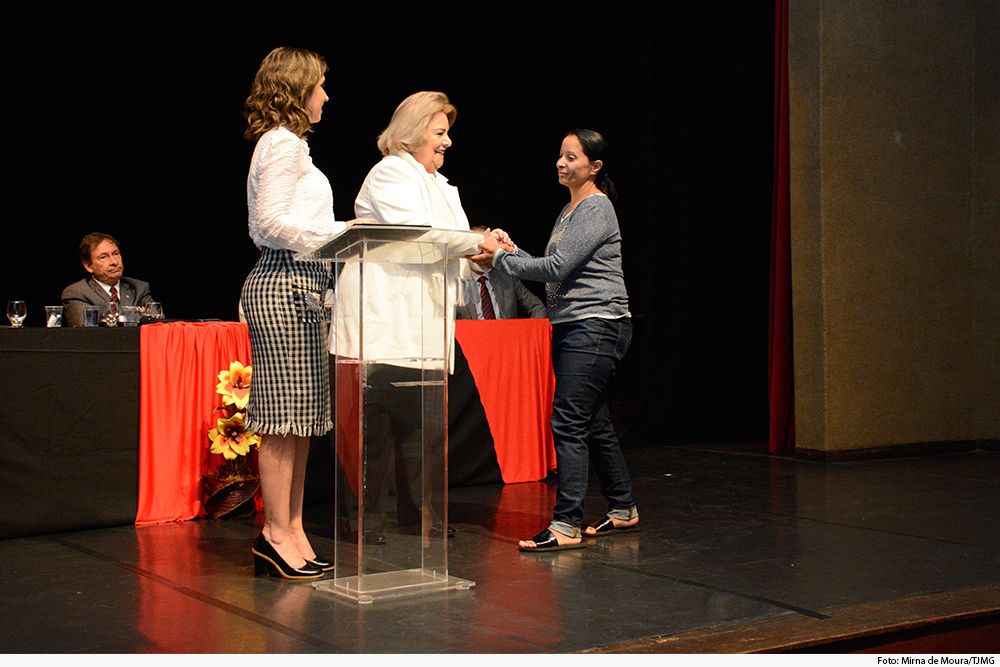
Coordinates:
[780,376]
[511,361]
[348,409]
[180,364]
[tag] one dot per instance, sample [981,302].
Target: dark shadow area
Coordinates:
[134,128]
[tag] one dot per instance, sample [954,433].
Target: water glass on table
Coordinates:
[16,312]
[53,316]
[130,316]
[91,316]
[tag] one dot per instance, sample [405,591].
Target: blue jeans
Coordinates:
[584,355]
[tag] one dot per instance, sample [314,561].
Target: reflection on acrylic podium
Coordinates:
[391,408]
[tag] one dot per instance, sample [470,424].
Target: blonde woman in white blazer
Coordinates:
[404,188]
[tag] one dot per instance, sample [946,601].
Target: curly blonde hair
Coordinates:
[410,120]
[280,90]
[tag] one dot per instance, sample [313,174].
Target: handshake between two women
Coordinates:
[493,240]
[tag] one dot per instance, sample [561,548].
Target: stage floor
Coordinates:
[738,551]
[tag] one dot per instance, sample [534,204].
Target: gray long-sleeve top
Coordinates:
[582,266]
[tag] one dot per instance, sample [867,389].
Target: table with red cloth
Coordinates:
[113,424]
[510,361]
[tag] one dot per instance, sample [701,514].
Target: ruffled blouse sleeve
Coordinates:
[290,201]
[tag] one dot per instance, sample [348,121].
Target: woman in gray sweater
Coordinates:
[591,330]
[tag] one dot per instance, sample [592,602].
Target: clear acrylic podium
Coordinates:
[392,409]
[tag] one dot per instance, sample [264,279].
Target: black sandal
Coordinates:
[546,541]
[606,526]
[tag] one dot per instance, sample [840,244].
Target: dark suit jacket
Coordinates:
[515,300]
[88,292]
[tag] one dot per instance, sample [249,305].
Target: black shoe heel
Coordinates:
[267,561]
[261,569]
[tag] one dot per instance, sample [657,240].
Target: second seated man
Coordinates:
[495,295]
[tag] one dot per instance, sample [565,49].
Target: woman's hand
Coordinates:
[502,238]
[488,247]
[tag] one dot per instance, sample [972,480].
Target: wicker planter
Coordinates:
[230,497]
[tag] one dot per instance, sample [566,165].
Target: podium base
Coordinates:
[368,588]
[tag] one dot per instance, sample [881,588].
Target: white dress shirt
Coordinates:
[475,295]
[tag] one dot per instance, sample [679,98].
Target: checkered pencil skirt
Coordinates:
[283,305]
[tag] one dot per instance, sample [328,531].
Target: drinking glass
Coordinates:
[130,316]
[154,310]
[53,316]
[109,314]
[91,316]
[16,312]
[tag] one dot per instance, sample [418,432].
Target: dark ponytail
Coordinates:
[596,148]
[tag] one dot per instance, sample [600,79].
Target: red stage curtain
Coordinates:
[780,374]
[511,361]
[180,364]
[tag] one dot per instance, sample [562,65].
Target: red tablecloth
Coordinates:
[511,361]
[180,362]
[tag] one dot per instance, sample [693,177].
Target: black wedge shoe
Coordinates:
[266,561]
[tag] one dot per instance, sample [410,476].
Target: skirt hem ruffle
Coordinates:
[291,429]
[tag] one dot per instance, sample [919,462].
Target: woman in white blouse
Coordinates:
[404,188]
[290,210]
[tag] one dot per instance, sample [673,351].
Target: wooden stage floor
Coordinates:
[738,552]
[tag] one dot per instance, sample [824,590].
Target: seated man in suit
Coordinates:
[103,261]
[508,298]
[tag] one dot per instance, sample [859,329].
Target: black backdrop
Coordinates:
[126,119]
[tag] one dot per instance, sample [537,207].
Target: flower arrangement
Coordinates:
[231,488]
[230,436]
